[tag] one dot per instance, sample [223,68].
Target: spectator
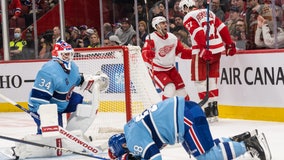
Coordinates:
[114,41]
[29,49]
[84,35]
[67,36]
[56,34]
[142,27]
[46,46]
[94,41]
[86,40]
[253,10]
[232,20]
[200,4]
[264,36]
[108,31]
[116,26]
[240,4]
[106,42]
[181,35]
[215,8]
[141,14]
[178,19]
[174,10]
[125,32]
[239,36]
[15,9]
[17,44]
[75,37]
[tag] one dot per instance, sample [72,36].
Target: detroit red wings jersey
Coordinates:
[165,49]
[196,23]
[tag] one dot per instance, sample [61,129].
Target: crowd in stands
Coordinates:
[250,23]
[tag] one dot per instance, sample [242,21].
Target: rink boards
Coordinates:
[251,84]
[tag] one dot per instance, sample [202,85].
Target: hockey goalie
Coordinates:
[51,96]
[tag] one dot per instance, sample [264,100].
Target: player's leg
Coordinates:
[197,137]
[165,83]
[179,84]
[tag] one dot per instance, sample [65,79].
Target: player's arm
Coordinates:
[148,52]
[42,90]
[183,52]
[226,37]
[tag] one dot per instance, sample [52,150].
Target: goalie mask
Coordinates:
[63,52]
[117,145]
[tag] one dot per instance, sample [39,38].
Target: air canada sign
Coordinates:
[252,76]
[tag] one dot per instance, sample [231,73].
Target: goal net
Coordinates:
[130,90]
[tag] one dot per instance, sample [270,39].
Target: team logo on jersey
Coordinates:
[165,50]
[66,81]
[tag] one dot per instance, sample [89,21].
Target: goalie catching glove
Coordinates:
[100,79]
[230,49]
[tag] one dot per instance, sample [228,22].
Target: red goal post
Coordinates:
[131,89]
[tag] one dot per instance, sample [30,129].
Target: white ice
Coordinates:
[19,124]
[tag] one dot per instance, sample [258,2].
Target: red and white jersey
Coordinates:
[196,23]
[166,49]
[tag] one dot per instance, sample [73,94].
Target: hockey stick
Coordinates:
[61,130]
[51,147]
[205,99]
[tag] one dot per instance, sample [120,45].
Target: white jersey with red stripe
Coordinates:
[196,23]
[165,49]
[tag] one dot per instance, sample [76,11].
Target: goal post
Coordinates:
[131,89]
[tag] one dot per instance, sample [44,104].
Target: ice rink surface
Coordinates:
[19,124]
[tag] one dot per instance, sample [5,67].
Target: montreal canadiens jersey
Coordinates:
[161,123]
[53,85]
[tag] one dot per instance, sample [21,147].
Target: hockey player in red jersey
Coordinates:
[210,37]
[159,53]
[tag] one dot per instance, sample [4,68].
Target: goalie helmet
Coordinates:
[187,3]
[64,52]
[157,20]
[117,145]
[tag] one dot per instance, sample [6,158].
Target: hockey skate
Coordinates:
[258,147]
[245,135]
[211,112]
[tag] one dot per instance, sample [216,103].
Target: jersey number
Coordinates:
[146,112]
[44,84]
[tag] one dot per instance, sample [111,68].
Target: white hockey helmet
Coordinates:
[187,3]
[64,52]
[157,20]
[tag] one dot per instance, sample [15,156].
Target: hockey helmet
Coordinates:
[117,145]
[157,20]
[64,52]
[187,3]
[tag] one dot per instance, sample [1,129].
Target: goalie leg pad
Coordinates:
[82,118]
[49,119]
[23,150]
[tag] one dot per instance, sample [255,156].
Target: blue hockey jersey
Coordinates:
[161,124]
[53,85]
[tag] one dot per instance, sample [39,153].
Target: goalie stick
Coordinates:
[205,99]
[51,147]
[61,130]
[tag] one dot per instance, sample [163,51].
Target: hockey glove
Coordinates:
[205,54]
[230,49]
[150,54]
